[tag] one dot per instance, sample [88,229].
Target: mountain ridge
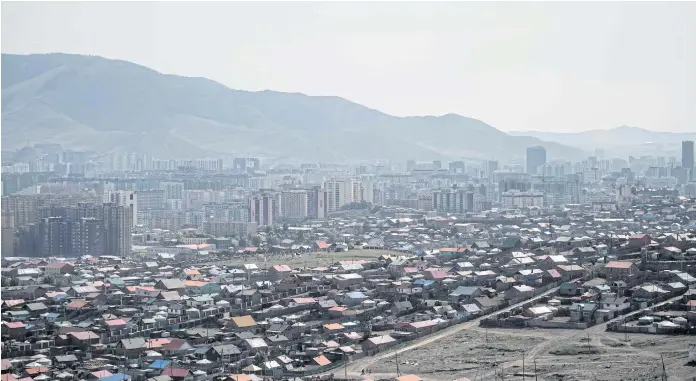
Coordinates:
[90,102]
[621,141]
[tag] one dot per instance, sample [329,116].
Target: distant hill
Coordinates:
[87,102]
[619,141]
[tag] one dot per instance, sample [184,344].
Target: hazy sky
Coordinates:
[517,66]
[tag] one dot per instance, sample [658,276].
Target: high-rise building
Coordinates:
[688,157]
[262,209]
[118,222]
[457,201]
[339,192]
[8,238]
[233,211]
[294,204]
[457,167]
[517,199]
[536,157]
[317,198]
[85,229]
[172,190]
[362,190]
[150,199]
[124,198]
[87,237]
[244,164]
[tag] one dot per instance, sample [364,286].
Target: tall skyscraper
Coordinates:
[688,157]
[536,157]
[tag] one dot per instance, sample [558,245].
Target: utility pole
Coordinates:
[625,331]
[664,371]
[487,337]
[588,344]
[523,376]
[398,373]
[536,377]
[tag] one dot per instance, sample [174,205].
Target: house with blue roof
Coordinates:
[160,364]
[424,283]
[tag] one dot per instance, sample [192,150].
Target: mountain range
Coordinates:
[97,104]
[620,141]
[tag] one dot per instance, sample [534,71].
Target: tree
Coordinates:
[268,229]
[285,227]
[256,241]
[243,242]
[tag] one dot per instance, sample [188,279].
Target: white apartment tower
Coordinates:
[363,190]
[339,192]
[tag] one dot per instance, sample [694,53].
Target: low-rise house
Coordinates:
[378,343]
[551,276]
[519,292]
[470,310]
[345,280]
[538,312]
[279,272]
[251,296]
[637,241]
[621,270]
[59,268]
[614,303]
[130,348]
[465,294]
[241,323]
[552,261]
[354,298]
[582,312]
[171,285]
[402,306]
[569,272]
[255,345]
[648,292]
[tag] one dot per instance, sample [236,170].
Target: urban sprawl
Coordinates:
[127,267]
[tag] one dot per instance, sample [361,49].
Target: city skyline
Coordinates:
[583,79]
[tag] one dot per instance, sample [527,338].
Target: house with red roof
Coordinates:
[15,329]
[59,268]
[320,246]
[177,374]
[280,271]
[622,270]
